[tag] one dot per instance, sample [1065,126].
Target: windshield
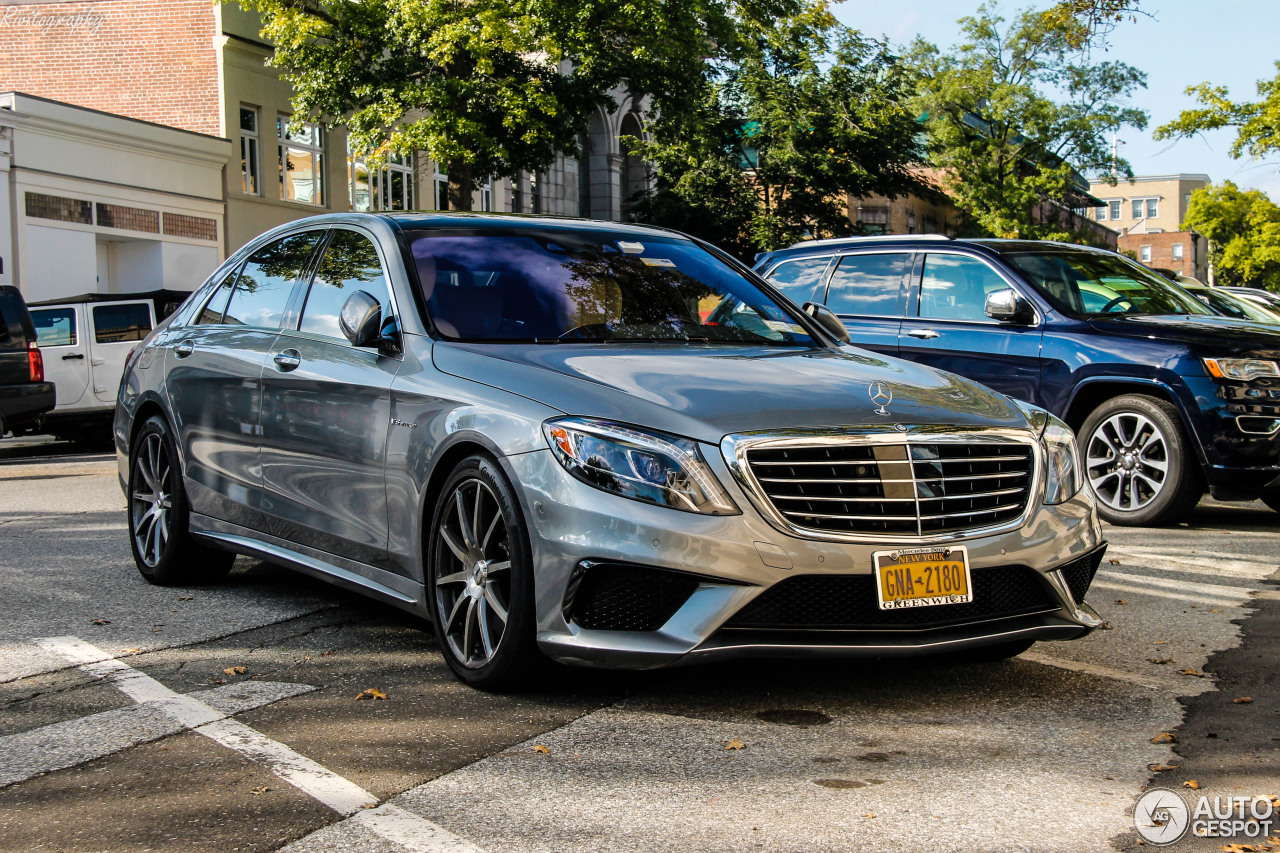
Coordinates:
[548,286]
[1233,306]
[1082,283]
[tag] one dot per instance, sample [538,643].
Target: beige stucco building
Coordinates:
[1148,212]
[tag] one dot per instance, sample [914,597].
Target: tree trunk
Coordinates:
[461,184]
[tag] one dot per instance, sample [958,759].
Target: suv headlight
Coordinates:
[1240,369]
[1063,473]
[651,467]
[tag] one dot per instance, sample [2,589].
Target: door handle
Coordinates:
[923,334]
[184,349]
[78,355]
[288,360]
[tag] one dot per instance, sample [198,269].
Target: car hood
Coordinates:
[707,392]
[1209,335]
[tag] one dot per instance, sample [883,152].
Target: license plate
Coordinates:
[922,577]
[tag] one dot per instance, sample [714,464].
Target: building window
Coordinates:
[1137,208]
[1101,213]
[1177,251]
[1115,209]
[301,162]
[1153,208]
[535,195]
[1146,207]
[250,159]
[387,187]
[517,198]
[441,184]
[486,194]
[1146,254]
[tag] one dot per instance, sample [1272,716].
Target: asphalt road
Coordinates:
[127,724]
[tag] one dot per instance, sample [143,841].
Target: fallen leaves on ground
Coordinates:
[1192,784]
[541,749]
[1191,673]
[1243,700]
[187,598]
[100,621]
[1121,601]
[130,651]
[1113,561]
[261,789]
[372,693]
[1160,661]
[233,670]
[1165,737]
[1162,642]
[734,744]
[218,680]
[1246,848]
[869,815]
[1162,768]
[1105,626]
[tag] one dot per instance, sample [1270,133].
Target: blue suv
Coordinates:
[1167,398]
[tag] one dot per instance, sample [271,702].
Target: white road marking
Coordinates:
[1216,590]
[1194,598]
[1106,672]
[1206,565]
[342,795]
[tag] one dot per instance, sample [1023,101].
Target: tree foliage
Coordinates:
[1257,123]
[1086,21]
[488,87]
[1243,229]
[803,114]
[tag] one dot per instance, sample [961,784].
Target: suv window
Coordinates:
[266,282]
[55,327]
[869,284]
[799,279]
[955,287]
[350,263]
[113,324]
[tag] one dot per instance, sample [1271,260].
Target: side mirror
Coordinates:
[827,320]
[361,319]
[1008,307]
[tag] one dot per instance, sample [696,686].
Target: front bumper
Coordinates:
[736,559]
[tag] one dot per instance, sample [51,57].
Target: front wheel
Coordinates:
[1139,462]
[163,548]
[481,579]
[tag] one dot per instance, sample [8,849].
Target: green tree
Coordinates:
[803,114]
[1008,150]
[1257,123]
[1243,229]
[1086,21]
[488,87]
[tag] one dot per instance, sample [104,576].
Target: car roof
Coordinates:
[427,219]
[983,245]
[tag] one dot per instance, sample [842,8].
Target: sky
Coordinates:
[1227,42]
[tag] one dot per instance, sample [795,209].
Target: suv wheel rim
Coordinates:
[152,500]
[1127,459]
[473,574]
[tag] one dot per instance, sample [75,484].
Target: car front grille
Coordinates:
[903,488]
[849,603]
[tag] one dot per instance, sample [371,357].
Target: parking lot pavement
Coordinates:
[129,724]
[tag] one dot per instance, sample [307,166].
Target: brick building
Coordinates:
[1148,213]
[200,66]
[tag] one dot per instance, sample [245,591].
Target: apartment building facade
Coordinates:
[200,66]
[1148,213]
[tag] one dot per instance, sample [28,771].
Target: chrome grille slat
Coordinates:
[991,488]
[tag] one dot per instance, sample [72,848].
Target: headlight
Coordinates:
[651,467]
[1240,369]
[1062,457]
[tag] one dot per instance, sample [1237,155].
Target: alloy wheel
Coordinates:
[152,499]
[1127,461]
[473,573]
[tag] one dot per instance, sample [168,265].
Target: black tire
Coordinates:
[163,548]
[1139,462]
[476,571]
[993,653]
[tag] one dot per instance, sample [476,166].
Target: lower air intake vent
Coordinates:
[1079,574]
[629,598]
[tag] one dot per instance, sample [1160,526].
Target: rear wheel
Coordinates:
[481,579]
[1139,462]
[163,548]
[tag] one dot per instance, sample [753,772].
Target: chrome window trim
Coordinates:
[734,449]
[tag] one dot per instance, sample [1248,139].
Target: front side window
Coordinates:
[870,285]
[55,327]
[301,162]
[113,324]
[350,263]
[213,310]
[264,285]
[955,287]
[799,280]
[1083,283]
[592,286]
[250,159]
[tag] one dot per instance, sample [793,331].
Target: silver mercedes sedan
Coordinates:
[595,443]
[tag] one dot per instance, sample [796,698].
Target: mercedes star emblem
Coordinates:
[882,395]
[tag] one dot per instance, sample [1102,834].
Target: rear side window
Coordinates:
[955,287]
[350,263]
[870,285]
[55,327]
[217,304]
[799,280]
[266,282]
[113,324]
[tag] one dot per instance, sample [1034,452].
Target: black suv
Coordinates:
[1167,397]
[24,395]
